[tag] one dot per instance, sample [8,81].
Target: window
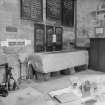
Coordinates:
[32,10]
[68,13]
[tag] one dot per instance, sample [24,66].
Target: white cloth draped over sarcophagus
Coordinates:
[55,61]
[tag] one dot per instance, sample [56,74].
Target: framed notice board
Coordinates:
[32,10]
[49,34]
[39,38]
[58,32]
[68,13]
[53,9]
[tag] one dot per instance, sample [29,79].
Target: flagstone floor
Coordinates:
[44,87]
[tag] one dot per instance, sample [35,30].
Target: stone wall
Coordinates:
[86,20]
[10,17]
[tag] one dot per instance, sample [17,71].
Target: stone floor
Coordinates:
[44,87]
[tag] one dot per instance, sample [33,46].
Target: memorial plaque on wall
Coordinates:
[39,37]
[53,9]
[58,32]
[32,10]
[68,13]
[49,33]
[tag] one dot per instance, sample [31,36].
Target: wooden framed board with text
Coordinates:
[58,33]
[39,38]
[49,34]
